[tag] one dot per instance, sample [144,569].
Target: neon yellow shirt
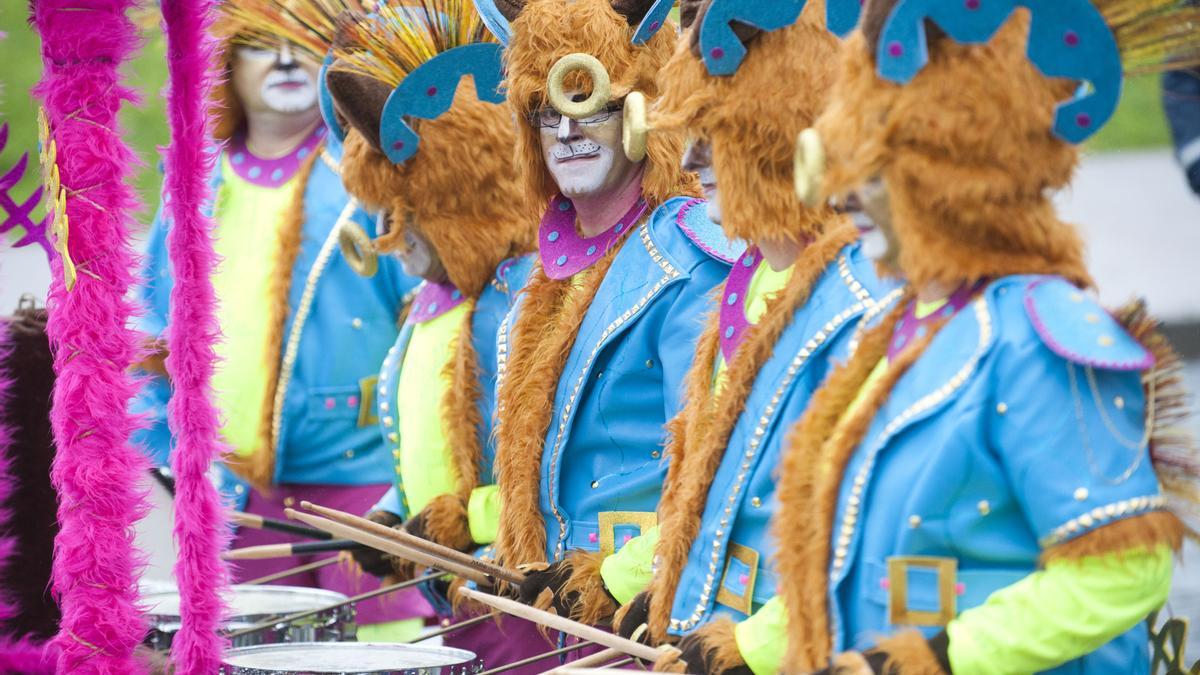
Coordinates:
[248,219]
[426,465]
[765,283]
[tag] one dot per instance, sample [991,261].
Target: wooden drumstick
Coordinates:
[597,659]
[271,551]
[565,625]
[388,546]
[263,523]
[424,545]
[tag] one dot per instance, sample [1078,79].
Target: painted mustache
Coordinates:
[580,149]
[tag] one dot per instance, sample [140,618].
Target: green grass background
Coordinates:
[1139,121]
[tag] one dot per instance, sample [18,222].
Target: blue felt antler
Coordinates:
[720,47]
[1067,39]
[20,213]
[428,92]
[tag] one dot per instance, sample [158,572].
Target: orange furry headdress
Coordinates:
[752,118]
[458,189]
[547,30]
[967,149]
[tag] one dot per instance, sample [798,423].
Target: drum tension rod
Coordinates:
[538,657]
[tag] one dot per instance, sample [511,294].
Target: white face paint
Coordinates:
[275,80]
[417,258]
[874,222]
[586,157]
[698,158]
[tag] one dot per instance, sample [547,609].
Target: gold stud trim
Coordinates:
[1101,515]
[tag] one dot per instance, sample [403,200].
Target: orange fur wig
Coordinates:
[752,118]
[547,30]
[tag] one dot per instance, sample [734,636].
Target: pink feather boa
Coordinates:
[96,471]
[16,655]
[200,528]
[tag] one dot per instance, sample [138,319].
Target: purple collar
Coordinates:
[563,252]
[271,173]
[733,304]
[434,300]
[911,328]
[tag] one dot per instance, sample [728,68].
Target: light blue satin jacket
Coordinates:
[602,469]
[493,304]
[327,429]
[729,569]
[1021,427]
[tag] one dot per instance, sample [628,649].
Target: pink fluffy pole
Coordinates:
[96,471]
[200,528]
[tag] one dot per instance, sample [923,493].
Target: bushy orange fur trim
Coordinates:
[446,522]
[259,467]
[722,650]
[550,315]
[595,606]
[548,30]
[459,190]
[711,418]
[1173,448]
[1139,533]
[461,417]
[968,155]
[909,654]
[753,136]
[819,448]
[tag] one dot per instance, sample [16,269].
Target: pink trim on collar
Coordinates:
[563,252]
[271,173]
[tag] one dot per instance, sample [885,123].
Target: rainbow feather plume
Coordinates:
[397,40]
[310,25]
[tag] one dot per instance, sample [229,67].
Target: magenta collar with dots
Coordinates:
[563,252]
[271,173]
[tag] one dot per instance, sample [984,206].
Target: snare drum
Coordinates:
[349,658]
[249,605]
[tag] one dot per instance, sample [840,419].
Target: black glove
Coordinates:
[700,654]
[875,661]
[553,577]
[633,616]
[374,562]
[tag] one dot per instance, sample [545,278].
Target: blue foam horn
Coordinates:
[494,19]
[1067,39]
[325,101]
[723,51]
[428,92]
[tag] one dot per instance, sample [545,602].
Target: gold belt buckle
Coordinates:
[609,521]
[898,612]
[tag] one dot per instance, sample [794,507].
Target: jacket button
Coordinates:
[756,502]
[357,323]
[914,521]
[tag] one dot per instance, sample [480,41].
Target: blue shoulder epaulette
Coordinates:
[1074,326]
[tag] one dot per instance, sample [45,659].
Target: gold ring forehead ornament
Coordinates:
[601,86]
[358,249]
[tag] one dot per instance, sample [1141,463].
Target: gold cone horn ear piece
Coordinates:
[810,167]
[635,130]
[601,86]
[358,250]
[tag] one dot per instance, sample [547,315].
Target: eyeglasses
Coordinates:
[549,118]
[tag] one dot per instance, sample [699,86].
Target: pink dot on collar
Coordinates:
[593,537]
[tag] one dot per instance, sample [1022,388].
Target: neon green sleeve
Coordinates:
[628,571]
[762,638]
[483,513]
[1060,613]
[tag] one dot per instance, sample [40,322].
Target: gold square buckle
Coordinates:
[609,521]
[898,612]
[743,603]
[366,401]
